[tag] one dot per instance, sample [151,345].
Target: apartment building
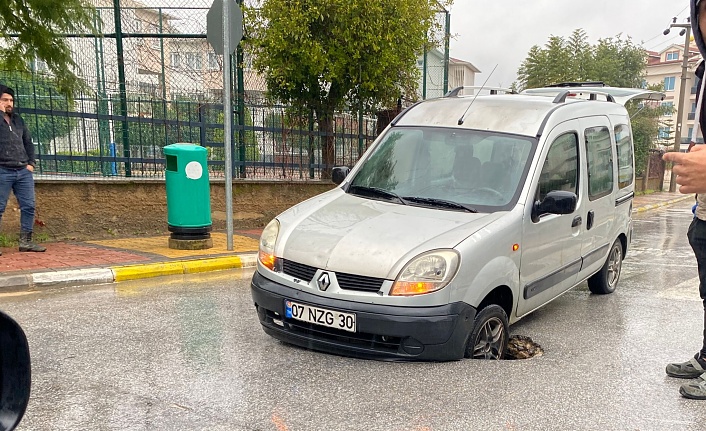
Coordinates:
[665,67]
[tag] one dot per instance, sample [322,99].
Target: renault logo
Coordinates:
[324,281]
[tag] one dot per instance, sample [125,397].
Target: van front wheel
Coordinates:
[489,337]
[606,280]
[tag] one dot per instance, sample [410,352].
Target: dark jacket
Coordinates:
[16,148]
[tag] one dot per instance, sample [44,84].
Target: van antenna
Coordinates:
[460,120]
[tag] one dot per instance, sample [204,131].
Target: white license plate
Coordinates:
[319,316]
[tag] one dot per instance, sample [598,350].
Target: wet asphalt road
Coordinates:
[188,353]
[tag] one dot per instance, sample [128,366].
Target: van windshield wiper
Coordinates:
[376,192]
[440,203]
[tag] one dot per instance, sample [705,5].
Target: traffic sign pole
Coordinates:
[227,123]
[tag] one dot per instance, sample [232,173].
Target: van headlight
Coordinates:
[266,254]
[426,273]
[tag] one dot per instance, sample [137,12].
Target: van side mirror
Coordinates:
[15,373]
[555,202]
[340,173]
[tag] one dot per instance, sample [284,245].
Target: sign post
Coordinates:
[224,30]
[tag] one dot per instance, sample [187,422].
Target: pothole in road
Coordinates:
[522,347]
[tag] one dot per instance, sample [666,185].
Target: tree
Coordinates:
[325,54]
[32,29]
[616,61]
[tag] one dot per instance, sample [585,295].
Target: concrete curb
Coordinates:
[661,204]
[89,276]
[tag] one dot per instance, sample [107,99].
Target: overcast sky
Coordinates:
[499,32]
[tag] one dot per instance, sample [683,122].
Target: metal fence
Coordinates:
[169,89]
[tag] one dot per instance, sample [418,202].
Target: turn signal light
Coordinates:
[267,260]
[406,288]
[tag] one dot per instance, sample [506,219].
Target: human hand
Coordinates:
[690,169]
[30,168]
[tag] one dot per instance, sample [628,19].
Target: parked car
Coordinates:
[465,215]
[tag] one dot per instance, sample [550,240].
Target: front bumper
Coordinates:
[383,331]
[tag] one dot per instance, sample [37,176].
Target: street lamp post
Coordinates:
[686,30]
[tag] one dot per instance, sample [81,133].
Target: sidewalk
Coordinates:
[107,261]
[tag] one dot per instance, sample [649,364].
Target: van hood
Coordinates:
[355,235]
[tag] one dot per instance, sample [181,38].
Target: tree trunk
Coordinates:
[326,123]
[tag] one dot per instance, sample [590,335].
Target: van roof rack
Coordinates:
[579,84]
[563,94]
[493,90]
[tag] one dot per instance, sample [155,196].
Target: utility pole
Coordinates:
[682,91]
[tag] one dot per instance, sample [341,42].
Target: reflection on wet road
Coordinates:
[187,352]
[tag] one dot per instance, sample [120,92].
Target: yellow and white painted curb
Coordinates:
[133,272]
[662,204]
[88,276]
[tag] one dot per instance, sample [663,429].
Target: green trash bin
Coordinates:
[188,192]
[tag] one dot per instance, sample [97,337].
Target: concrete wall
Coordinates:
[97,209]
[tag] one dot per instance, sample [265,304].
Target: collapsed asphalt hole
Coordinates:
[522,347]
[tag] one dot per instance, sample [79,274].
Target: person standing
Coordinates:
[16,167]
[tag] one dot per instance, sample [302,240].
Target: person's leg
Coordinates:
[24,191]
[7,179]
[696,389]
[695,366]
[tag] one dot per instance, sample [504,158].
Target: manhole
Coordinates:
[522,347]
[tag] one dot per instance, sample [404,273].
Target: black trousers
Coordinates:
[697,240]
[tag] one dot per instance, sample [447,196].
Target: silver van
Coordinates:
[466,214]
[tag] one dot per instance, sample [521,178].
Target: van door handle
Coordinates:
[577,221]
[589,220]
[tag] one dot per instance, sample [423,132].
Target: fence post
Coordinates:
[123,90]
[241,108]
[312,159]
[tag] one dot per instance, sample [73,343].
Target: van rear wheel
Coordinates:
[606,280]
[489,337]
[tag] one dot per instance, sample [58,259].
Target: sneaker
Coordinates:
[695,389]
[690,369]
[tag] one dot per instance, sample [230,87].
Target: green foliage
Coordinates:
[324,54]
[33,91]
[645,121]
[616,61]
[32,29]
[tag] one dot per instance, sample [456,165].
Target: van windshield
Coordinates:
[439,167]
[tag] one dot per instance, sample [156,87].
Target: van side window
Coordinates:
[560,170]
[599,154]
[623,146]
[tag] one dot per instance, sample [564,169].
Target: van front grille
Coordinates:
[298,270]
[359,282]
[345,281]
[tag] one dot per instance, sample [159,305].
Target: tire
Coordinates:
[606,280]
[490,335]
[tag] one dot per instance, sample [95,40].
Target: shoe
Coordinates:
[26,243]
[690,369]
[695,389]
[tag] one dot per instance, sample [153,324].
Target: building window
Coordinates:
[176,60]
[213,61]
[664,132]
[674,55]
[668,108]
[193,60]
[691,132]
[669,83]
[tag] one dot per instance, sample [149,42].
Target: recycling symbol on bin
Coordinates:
[194,171]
